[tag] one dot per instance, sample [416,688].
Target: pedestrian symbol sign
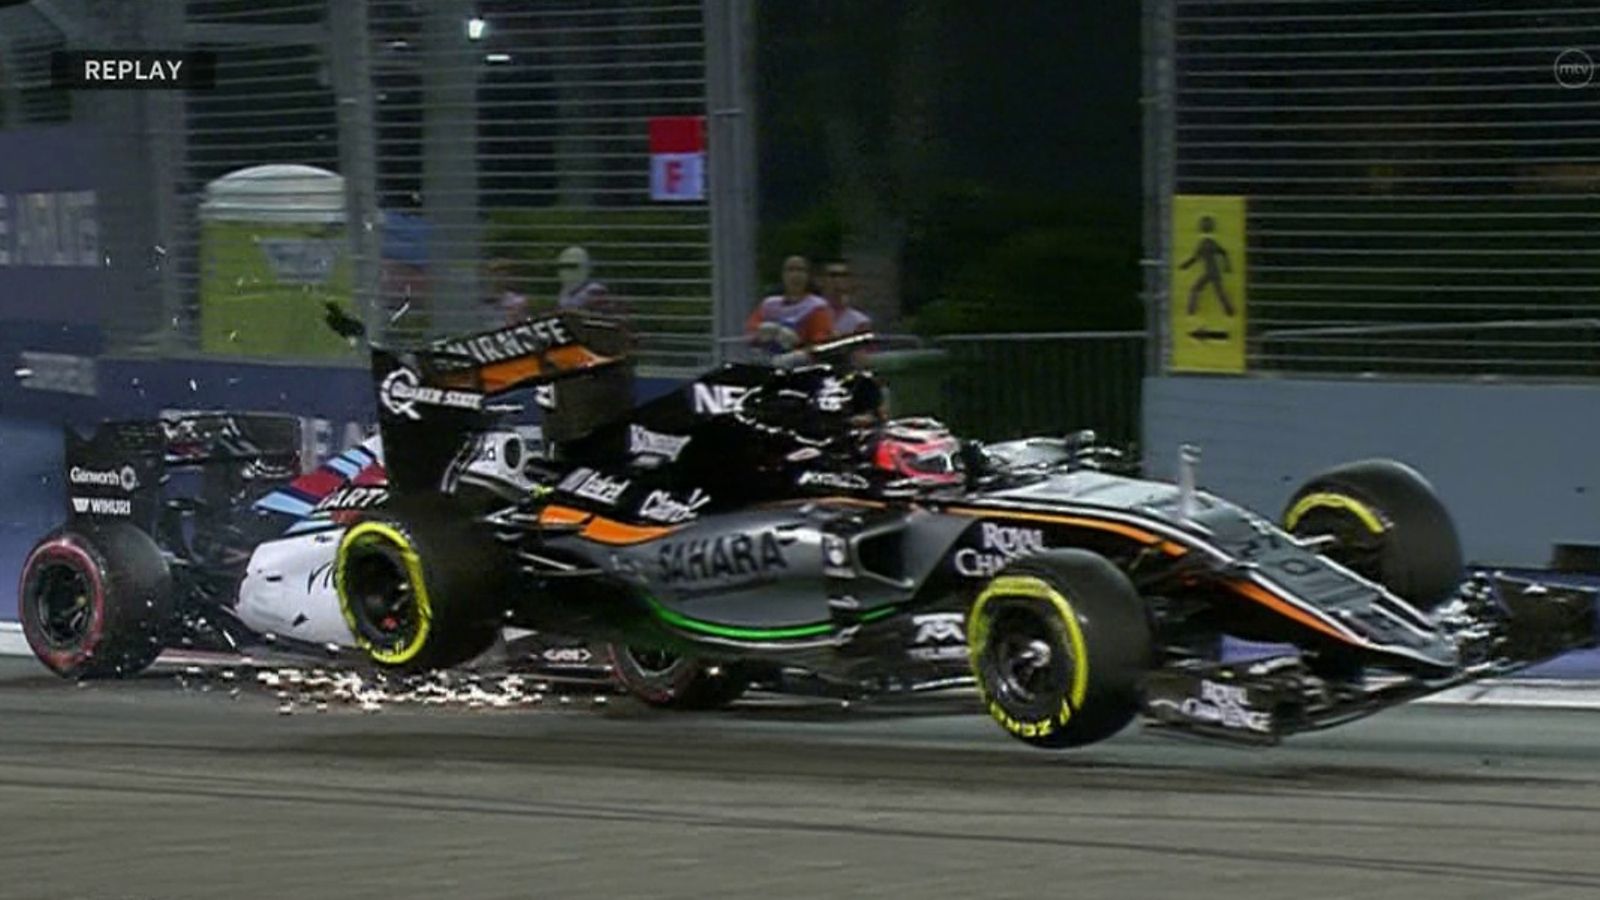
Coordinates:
[1208,298]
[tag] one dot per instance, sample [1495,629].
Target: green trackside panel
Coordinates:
[263,286]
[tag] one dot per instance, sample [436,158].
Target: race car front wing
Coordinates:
[1499,624]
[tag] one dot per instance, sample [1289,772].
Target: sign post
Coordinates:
[1208,291]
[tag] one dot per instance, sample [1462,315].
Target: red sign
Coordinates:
[678,158]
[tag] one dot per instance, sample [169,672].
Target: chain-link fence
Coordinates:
[1422,177]
[439,166]
[507,136]
[26,96]
[1015,385]
[1010,385]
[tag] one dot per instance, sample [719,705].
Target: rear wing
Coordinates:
[431,401]
[115,473]
[118,470]
[537,351]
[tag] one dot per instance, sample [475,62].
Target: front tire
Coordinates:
[1060,642]
[1389,525]
[670,681]
[96,601]
[417,582]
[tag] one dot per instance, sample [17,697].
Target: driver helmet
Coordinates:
[919,450]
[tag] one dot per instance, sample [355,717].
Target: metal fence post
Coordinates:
[349,50]
[731,161]
[450,157]
[1159,176]
[167,130]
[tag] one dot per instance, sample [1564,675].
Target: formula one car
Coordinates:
[203,531]
[759,520]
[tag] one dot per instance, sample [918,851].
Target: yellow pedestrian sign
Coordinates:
[1208,298]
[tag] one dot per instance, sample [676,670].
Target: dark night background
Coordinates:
[982,163]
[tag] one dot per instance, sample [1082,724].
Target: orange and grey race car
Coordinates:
[762,520]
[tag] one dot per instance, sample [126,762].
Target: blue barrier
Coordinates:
[34,502]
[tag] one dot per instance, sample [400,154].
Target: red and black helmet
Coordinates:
[920,450]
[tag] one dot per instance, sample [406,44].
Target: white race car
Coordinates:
[205,531]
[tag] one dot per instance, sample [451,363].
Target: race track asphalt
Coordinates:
[146,790]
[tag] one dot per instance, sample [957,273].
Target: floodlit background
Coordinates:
[1414,253]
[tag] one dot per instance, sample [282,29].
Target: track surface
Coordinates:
[144,790]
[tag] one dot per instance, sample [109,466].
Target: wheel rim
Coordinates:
[1025,667]
[1355,547]
[1028,668]
[382,599]
[62,598]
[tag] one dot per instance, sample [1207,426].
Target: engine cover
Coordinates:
[288,590]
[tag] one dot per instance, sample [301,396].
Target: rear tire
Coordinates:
[1060,644]
[670,681]
[96,601]
[418,582]
[1390,524]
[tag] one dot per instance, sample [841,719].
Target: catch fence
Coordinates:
[424,164]
[1422,178]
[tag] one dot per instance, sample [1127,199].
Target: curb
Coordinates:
[1526,693]
[12,643]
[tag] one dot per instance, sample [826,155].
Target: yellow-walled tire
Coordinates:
[1389,525]
[1060,643]
[418,584]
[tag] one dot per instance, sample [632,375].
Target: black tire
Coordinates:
[670,681]
[1080,628]
[418,584]
[1389,524]
[96,601]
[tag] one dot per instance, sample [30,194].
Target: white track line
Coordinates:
[12,643]
[1551,694]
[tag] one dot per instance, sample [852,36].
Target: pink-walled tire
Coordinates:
[96,602]
[670,681]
